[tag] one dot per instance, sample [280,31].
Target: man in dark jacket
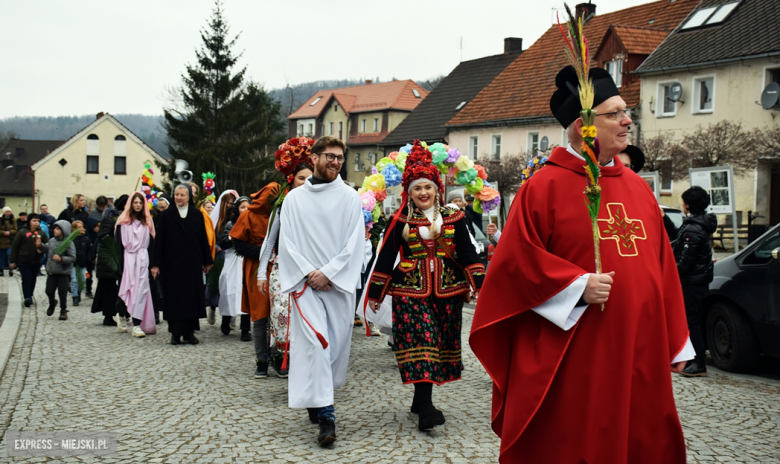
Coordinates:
[693,253]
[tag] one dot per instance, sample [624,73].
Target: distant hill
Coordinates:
[150,129]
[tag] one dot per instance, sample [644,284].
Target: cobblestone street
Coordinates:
[187,404]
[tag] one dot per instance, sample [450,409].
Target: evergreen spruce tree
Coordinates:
[225,124]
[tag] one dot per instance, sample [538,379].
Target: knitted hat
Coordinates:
[454,194]
[7,209]
[419,168]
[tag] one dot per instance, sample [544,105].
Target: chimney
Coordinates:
[369,81]
[100,115]
[584,10]
[513,45]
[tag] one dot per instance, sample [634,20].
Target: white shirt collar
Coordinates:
[574,152]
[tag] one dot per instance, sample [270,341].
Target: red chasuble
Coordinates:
[600,392]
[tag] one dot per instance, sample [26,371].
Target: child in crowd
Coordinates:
[78,275]
[29,244]
[59,268]
[7,235]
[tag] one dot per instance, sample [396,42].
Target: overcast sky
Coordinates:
[79,57]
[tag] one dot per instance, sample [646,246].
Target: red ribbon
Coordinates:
[323,342]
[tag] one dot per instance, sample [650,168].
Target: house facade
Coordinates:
[719,62]
[361,115]
[511,116]
[16,176]
[104,158]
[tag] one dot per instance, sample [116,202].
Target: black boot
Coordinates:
[63,314]
[327,432]
[262,369]
[696,368]
[429,415]
[245,336]
[225,326]
[52,307]
[175,340]
[191,339]
[109,321]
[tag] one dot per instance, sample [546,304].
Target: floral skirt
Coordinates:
[280,308]
[426,338]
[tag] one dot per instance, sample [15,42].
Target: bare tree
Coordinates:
[720,144]
[659,150]
[767,142]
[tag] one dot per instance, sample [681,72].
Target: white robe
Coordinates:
[322,228]
[231,284]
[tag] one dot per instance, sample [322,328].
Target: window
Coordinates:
[311,130]
[703,94]
[300,129]
[460,106]
[120,145]
[698,18]
[341,129]
[120,165]
[495,149]
[474,147]
[357,162]
[93,145]
[533,143]
[92,164]
[666,107]
[763,253]
[774,75]
[722,12]
[615,69]
[362,125]
[336,107]
[376,124]
[315,101]
[415,93]
[370,158]
[666,175]
[330,128]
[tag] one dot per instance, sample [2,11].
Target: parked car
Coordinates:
[741,311]
[677,219]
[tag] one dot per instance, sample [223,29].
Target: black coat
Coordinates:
[70,215]
[180,251]
[105,240]
[693,250]
[83,250]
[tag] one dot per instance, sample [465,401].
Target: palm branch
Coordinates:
[109,253]
[65,243]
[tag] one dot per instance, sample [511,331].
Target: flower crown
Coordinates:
[292,153]
[419,166]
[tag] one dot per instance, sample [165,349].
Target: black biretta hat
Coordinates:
[565,102]
[637,157]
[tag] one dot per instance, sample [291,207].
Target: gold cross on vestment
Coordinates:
[624,231]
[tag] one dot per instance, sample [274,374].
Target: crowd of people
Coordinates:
[287,263]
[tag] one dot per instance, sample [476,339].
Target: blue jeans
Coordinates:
[327,412]
[74,282]
[5,259]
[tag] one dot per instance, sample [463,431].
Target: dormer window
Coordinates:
[615,69]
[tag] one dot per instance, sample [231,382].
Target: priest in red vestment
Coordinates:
[573,383]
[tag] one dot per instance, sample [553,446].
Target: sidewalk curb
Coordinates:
[11,324]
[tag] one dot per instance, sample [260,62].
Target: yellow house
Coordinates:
[104,158]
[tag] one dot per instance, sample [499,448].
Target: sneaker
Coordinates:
[27,302]
[262,370]
[375,330]
[327,432]
[137,332]
[121,324]
[63,315]
[52,307]
[276,364]
[210,315]
[76,301]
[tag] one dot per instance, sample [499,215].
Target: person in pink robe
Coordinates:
[135,232]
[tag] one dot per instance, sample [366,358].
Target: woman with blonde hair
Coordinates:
[77,211]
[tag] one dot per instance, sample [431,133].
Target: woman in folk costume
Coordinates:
[438,265]
[134,232]
[248,235]
[181,256]
[231,280]
[219,215]
[280,302]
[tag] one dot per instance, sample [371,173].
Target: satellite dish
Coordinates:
[675,92]
[544,144]
[770,96]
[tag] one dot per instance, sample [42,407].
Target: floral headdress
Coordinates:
[419,165]
[290,154]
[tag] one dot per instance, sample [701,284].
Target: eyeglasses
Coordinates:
[332,157]
[617,115]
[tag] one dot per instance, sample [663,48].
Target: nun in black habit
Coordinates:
[180,257]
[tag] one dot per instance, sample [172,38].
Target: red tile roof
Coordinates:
[639,40]
[524,88]
[364,98]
